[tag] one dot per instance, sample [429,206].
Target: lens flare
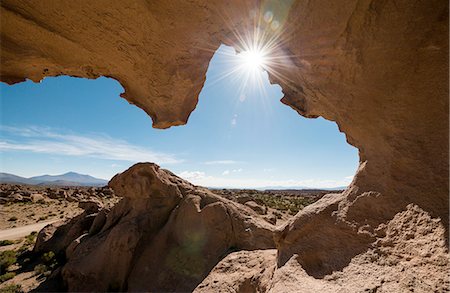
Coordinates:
[253,59]
[258,53]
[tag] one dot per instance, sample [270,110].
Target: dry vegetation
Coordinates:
[276,206]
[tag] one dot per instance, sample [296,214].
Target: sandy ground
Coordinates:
[14,215]
[20,232]
[21,219]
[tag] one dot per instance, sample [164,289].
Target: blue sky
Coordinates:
[238,136]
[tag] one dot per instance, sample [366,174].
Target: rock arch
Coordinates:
[379,69]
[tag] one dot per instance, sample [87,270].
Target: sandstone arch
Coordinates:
[379,69]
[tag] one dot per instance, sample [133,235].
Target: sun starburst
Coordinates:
[258,48]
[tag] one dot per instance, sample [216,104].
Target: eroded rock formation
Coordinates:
[165,235]
[377,68]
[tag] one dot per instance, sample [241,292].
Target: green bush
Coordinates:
[40,269]
[13,288]
[7,276]
[6,242]
[30,239]
[7,258]
[48,256]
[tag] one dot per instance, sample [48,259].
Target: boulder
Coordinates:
[243,271]
[37,197]
[44,235]
[256,207]
[57,236]
[165,228]
[16,197]
[90,206]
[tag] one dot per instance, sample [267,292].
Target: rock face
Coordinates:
[165,235]
[243,271]
[379,69]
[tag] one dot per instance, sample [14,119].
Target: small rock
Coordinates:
[37,197]
[16,197]
[90,206]
[256,207]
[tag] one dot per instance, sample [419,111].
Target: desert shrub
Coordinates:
[288,204]
[7,258]
[31,238]
[48,256]
[7,276]
[12,219]
[29,242]
[13,288]
[6,242]
[40,269]
[43,218]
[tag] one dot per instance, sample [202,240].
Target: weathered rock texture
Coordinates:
[377,68]
[165,235]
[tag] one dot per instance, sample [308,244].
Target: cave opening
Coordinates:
[382,76]
[239,136]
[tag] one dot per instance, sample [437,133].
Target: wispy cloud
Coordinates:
[201,178]
[227,172]
[222,162]
[192,175]
[48,141]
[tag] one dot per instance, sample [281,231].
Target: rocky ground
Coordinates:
[166,235]
[24,267]
[21,269]
[275,206]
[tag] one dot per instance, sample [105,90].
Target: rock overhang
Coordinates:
[379,69]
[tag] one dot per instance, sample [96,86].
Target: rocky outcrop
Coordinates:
[56,237]
[379,69]
[165,235]
[243,271]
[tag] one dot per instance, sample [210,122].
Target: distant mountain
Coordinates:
[67,179]
[71,177]
[10,178]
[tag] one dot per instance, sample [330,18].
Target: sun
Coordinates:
[253,59]
[258,53]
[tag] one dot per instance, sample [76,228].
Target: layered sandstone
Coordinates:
[379,69]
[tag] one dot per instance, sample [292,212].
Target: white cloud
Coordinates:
[222,162]
[47,141]
[201,178]
[192,176]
